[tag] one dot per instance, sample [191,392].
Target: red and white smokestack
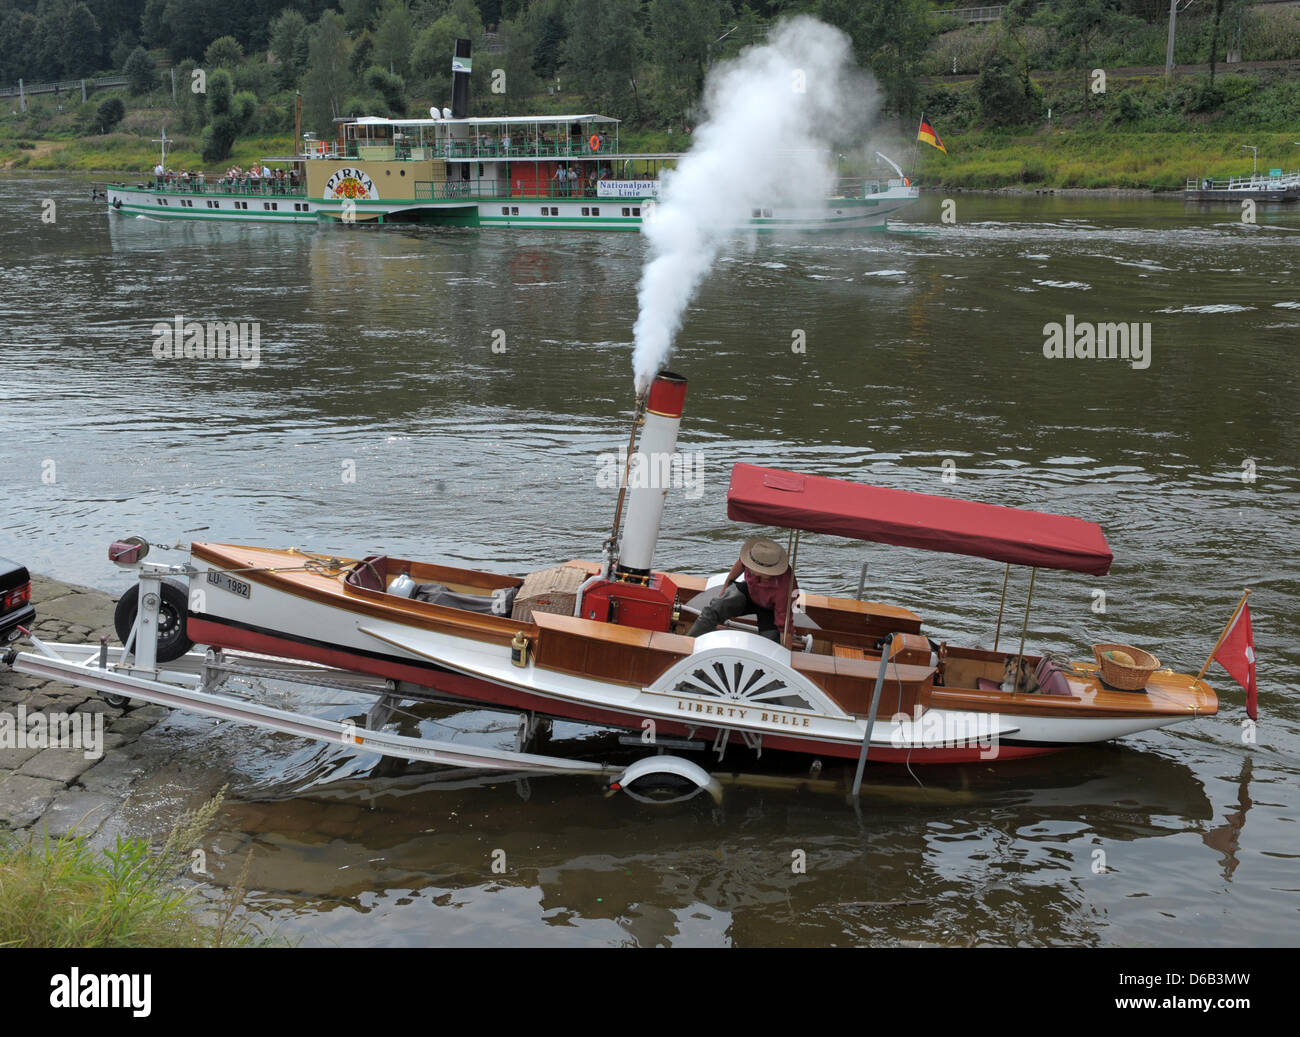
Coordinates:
[649,475]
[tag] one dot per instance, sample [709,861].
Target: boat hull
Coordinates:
[516,213]
[468,658]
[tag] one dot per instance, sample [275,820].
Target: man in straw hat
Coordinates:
[768,587]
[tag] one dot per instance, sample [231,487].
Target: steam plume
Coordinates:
[769,116]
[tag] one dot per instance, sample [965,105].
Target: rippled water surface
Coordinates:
[924,356]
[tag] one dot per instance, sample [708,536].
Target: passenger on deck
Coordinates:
[766,592]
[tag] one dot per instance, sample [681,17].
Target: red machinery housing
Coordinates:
[646,605]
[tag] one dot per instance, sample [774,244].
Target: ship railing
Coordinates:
[446,190]
[1256,182]
[864,187]
[220,185]
[466,149]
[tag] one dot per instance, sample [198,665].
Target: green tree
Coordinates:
[546,24]
[110,112]
[229,114]
[358,13]
[603,52]
[328,80]
[890,37]
[182,26]
[1002,98]
[67,40]
[434,47]
[389,87]
[681,34]
[288,42]
[141,76]
[517,60]
[17,30]
[223,52]
[393,38]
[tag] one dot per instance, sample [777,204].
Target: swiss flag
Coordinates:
[1236,654]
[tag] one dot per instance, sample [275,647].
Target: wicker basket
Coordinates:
[1121,676]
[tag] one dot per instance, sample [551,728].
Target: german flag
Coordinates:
[926,133]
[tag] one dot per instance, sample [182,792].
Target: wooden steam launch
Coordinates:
[605,642]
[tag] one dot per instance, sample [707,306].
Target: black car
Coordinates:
[16,607]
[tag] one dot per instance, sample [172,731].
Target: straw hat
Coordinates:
[763,556]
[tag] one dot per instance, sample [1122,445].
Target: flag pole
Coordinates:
[916,144]
[1227,626]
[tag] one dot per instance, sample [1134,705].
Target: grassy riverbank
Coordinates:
[59,892]
[1099,158]
[977,160]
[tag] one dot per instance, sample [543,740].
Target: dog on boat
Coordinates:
[1024,681]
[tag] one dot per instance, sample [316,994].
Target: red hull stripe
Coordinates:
[243,637]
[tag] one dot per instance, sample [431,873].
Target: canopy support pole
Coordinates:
[1015,677]
[871,716]
[1006,574]
[792,553]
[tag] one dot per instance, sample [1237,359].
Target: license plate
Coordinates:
[229,583]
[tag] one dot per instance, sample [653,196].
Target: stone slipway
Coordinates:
[59,789]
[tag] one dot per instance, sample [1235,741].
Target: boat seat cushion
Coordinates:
[437,594]
[370,574]
[1051,679]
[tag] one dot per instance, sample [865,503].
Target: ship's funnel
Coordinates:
[649,475]
[461,66]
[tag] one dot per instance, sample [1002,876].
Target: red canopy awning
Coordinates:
[769,496]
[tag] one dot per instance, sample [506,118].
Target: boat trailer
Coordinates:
[197,682]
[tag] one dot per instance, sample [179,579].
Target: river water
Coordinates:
[380,417]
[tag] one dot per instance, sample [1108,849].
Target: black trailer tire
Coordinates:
[172,640]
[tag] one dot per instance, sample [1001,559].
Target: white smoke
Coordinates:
[770,116]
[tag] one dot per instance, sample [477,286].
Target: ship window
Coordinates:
[266,206]
[275,206]
[595,210]
[627,211]
[636,210]
[505,210]
[767,214]
[514,210]
[586,210]
[756,213]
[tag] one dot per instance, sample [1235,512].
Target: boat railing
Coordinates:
[865,187]
[441,190]
[1272,181]
[483,148]
[237,187]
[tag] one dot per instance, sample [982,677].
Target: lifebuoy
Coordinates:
[594,142]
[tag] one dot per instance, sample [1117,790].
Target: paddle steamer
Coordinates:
[558,171]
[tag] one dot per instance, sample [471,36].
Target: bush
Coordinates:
[228,116]
[109,113]
[223,52]
[140,72]
[1004,100]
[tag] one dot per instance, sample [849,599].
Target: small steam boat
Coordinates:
[607,642]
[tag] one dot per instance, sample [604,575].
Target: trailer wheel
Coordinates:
[172,640]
